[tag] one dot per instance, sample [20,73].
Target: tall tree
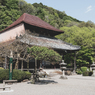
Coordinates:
[9,12]
[84,37]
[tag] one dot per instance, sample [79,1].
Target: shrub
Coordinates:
[28,75]
[4,74]
[78,71]
[84,69]
[87,73]
[90,73]
[17,75]
[1,68]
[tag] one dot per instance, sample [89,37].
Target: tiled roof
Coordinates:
[50,43]
[45,42]
[32,20]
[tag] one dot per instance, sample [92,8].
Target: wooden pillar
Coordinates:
[74,62]
[63,57]
[35,65]
[40,64]
[22,66]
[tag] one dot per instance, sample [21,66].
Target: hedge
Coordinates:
[78,71]
[84,69]
[87,73]
[17,75]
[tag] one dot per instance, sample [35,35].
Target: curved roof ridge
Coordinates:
[24,16]
[33,20]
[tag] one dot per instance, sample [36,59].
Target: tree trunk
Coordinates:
[16,65]
[5,62]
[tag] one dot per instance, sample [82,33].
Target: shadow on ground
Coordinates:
[44,82]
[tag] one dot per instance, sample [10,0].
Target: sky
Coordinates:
[83,10]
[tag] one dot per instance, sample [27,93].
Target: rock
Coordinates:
[63,77]
[25,80]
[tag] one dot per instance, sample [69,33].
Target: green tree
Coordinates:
[9,12]
[43,53]
[26,8]
[84,37]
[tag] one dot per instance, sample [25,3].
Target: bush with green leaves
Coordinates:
[4,74]
[87,73]
[78,71]
[28,75]
[17,75]
[84,69]
[1,68]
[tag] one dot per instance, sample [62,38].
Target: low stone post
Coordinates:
[63,68]
[93,69]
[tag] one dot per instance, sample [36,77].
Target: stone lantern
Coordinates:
[63,68]
[93,68]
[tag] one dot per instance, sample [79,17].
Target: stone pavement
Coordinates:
[74,85]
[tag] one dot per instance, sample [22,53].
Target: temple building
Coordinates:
[40,33]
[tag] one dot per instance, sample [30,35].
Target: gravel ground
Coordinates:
[74,85]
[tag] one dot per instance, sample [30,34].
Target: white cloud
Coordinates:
[89,9]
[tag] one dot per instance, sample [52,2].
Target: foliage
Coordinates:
[87,73]
[4,74]
[11,10]
[1,68]
[84,69]
[26,8]
[87,24]
[79,36]
[17,75]
[69,59]
[43,53]
[28,75]
[84,37]
[84,57]
[78,71]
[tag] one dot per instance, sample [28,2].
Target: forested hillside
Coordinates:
[75,31]
[10,10]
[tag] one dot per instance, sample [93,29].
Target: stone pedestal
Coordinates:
[93,69]
[93,73]
[63,68]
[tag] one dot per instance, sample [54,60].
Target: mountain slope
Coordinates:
[10,10]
